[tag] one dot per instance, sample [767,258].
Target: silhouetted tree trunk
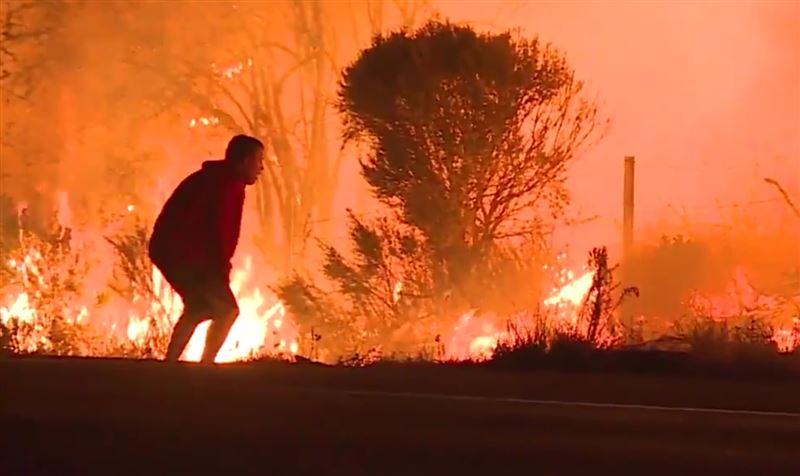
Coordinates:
[279,84]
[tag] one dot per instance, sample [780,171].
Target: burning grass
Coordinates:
[55,304]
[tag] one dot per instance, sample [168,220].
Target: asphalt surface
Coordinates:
[87,416]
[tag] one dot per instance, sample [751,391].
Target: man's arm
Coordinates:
[225,227]
[165,243]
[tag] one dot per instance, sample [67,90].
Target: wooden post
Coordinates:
[627,209]
[627,242]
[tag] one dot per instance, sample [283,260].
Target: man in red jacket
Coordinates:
[194,239]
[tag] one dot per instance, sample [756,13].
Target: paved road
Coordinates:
[73,416]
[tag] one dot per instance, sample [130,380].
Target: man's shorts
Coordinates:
[203,295]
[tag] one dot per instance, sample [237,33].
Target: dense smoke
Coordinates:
[705,95]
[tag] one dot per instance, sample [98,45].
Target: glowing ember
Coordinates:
[204,121]
[398,288]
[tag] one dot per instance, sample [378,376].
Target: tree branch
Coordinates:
[785,195]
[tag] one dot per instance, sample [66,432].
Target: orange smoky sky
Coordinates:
[705,95]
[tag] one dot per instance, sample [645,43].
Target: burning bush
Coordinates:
[581,314]
[604,298]
[468,138]
[741,315]
[136,281]
[45,313]
[383,287]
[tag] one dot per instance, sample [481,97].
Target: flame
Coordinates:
[788,339]
[473,338]
[738,296]
[476,337]
[20,311]
[396,292]
[262,328]
[20,308]
[235,69]
[259,329]
[204,121]
[567,299]
[741,299]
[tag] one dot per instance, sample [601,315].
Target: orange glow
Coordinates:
[741,300]
[476,337]
[258,331]
[262,328]
[566,300]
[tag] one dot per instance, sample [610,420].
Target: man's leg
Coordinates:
[217,333]
[225,313]
[182,333]
[184,282]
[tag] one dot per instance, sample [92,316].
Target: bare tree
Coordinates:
[25,28]
[277,89]
[785,195]
[30,34]
[277,83]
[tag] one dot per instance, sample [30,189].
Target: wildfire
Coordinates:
[20,308]
[43,294]
[740,299]
[45,303]
[476,337]
[259,329]
[473,338]
[788,339]
[33,333]
[567,299]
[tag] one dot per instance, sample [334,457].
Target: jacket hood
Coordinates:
[215,165]
[220,168]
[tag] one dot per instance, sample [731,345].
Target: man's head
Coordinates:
[246,155]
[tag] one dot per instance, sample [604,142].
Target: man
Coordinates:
[194,239]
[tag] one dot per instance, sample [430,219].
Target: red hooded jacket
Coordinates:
[198,228]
